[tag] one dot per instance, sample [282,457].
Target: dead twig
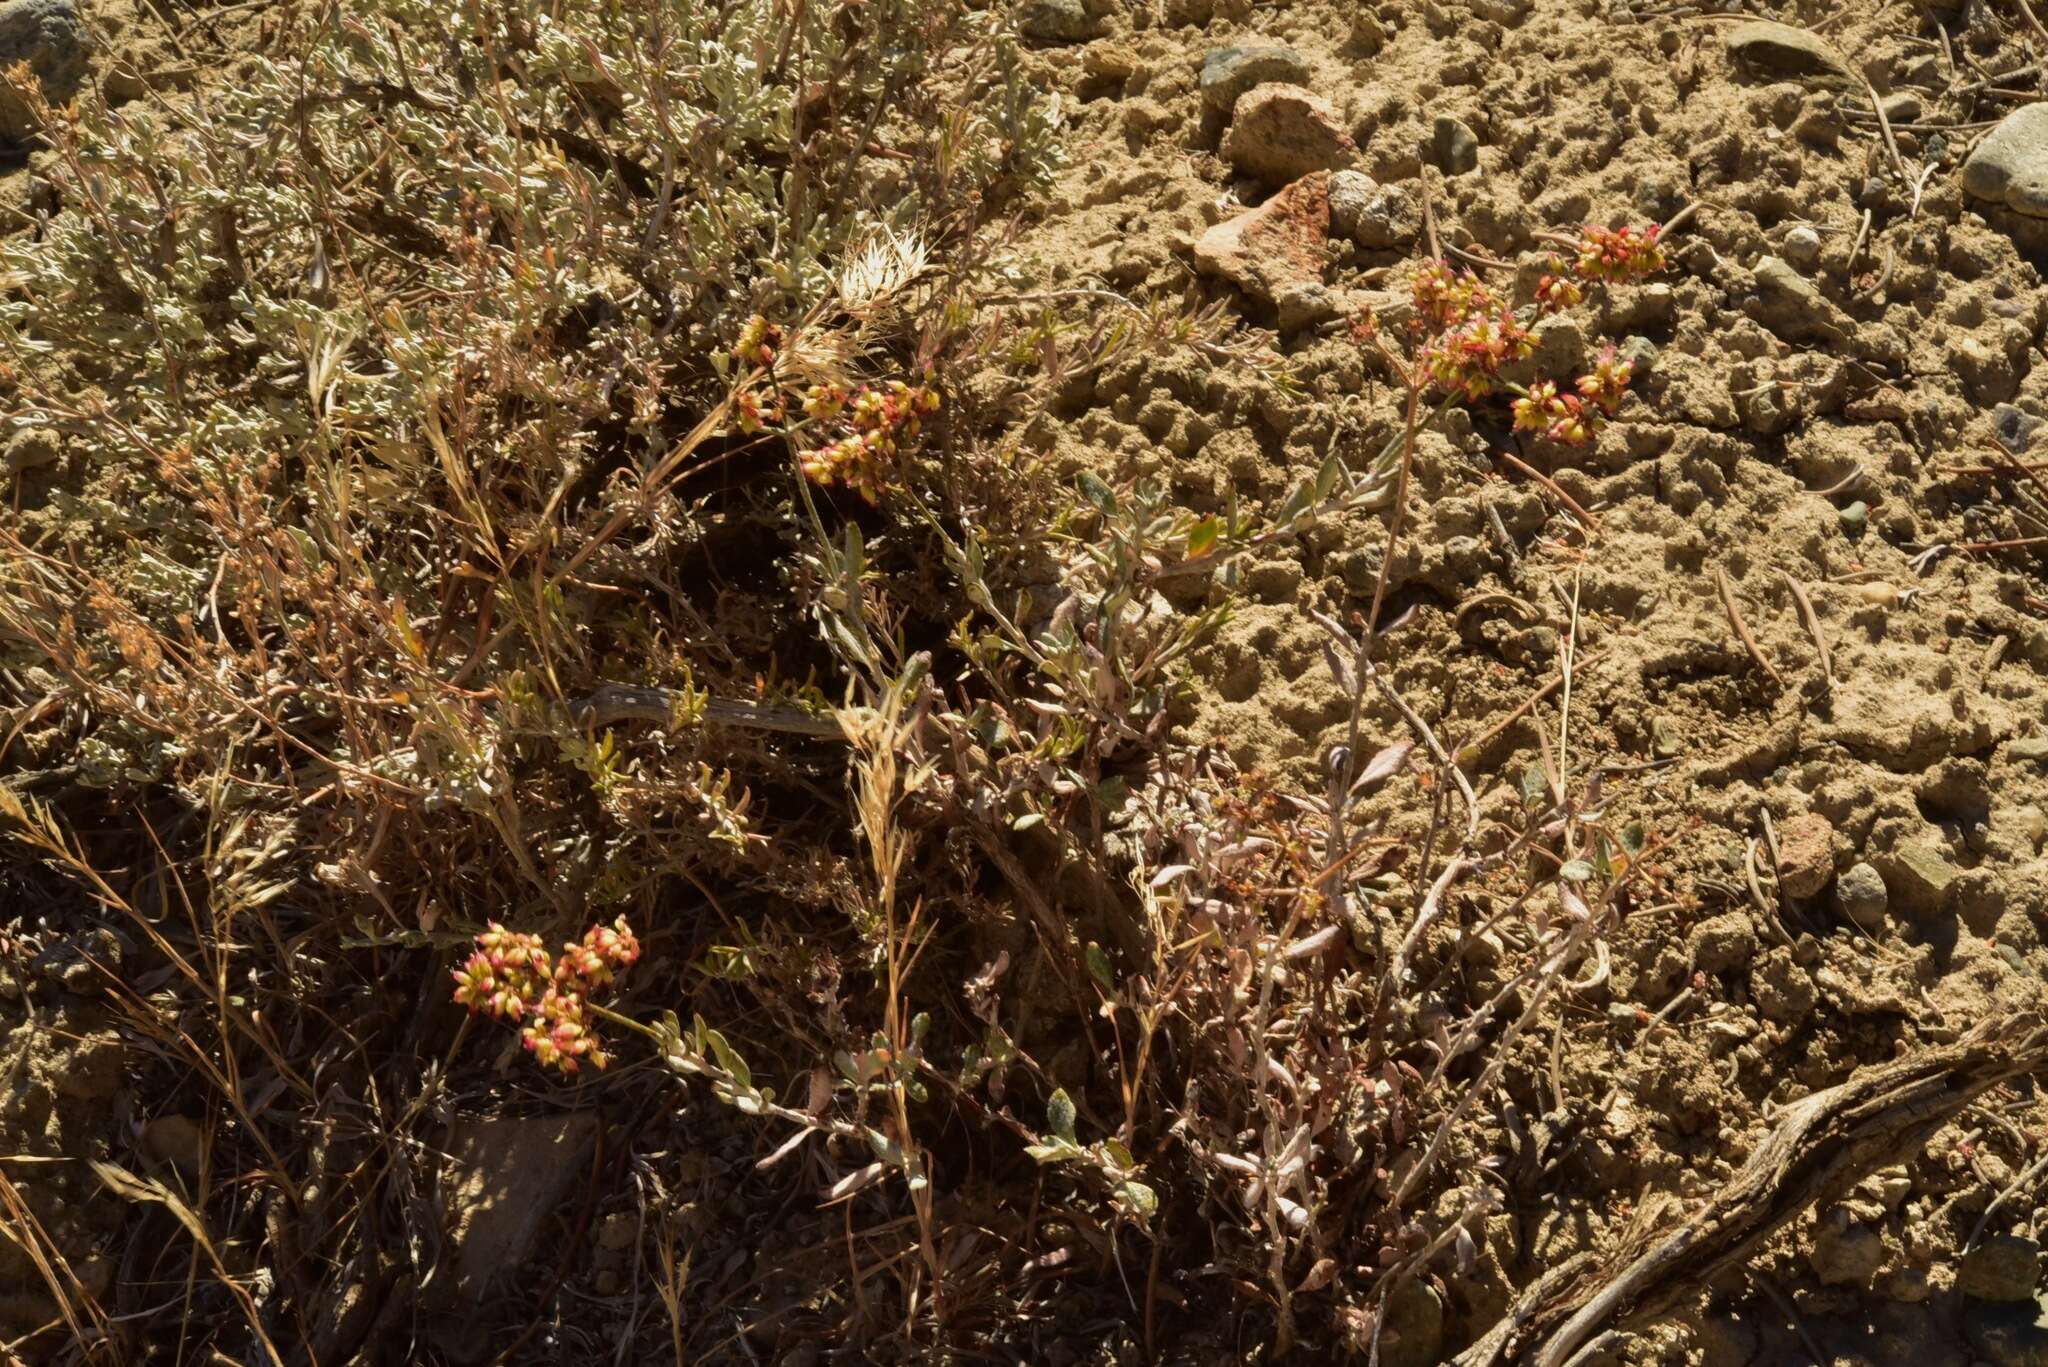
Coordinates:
[1812,620]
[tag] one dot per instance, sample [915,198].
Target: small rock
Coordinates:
[1780,51]
[1452,148]
[48,35]
[1790,305]
[1666,740]
[2029,749]
[2015,427]
[1641,353]
[1845,1253]
[506,1176]
[1057,21]
[1860,895]
[1227,72]
[2005,1268]
[1275,250]
[2008,1335]
[1854,519]
[1920,877]
[1375,216]
[2010,167]
[1802,247]
[1806,854]
[1280,133]
[1722,942]
[1903,107]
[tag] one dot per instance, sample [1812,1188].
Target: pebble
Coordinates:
[1854,518]
[1374,216]
[2010,167]
[1452,147]
[1666,740]
[1806,854]
[1779,51]
[1860,895]
[1276,252]
[1280,133]
[1802,247]
[1227,72]
[1790,305]
[49,36]
[2015,427]
[2005,1268]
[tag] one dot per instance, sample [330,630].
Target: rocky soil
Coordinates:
[1841,408]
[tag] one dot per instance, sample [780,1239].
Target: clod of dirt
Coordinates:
[1453,148]
[1860,895]
[1791,306]
[1376,217]
[2008,1335]
[1845,1252]
[1228,72]
[48,35]
[2005,1268]
[176,1140]
[510,1172]
[1058,21]
[2028,750]
[1275,252]
[1806,854]
[1280,133]
[1780,52]
[1722,942]
[2010,167]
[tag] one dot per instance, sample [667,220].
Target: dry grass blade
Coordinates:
[1818,1148]
[1727,591]
[1812,621]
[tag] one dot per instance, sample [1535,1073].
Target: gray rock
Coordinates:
[1058,21]
[2005,1268]
[1374,216]
[1860,895]
[1780,52]
[1854,518]
[1903,107]
[2029,748]
[1227,72]
[1802,247]
[48,35]
[1280,133]
[2008,1335]
[2015,427]
[2010,167]
[1790,306]
[1452,147]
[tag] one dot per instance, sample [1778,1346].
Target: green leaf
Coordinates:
[1059,1113]
[1203,536]
[1027,821]
[728,1058]
[1100,969]
[1535,787]
[1097,492]
[1632,837]
[1118,1154]
[1138,1197]
[1576,871]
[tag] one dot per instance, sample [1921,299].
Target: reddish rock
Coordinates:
[1275,253]
[1806,854]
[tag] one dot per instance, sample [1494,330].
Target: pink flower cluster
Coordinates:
[1619,253]
[1476,332]
[512,976]
[1575,419]
[882,420]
